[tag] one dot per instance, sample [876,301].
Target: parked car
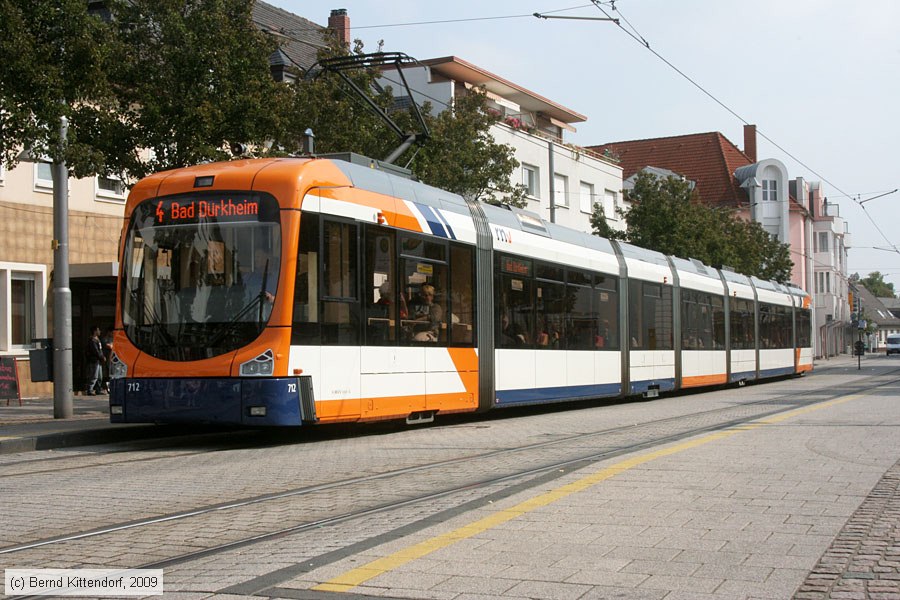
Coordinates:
[893,344]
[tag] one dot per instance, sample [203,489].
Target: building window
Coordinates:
[110,187]
[586,197]
[43,176]
[22,319]
[823,241]
[770,190]
[561,190]
[609,204]
[22,299]
[530,180]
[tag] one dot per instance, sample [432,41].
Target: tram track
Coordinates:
[100,459]
[575,451]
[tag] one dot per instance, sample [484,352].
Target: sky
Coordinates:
[819,78]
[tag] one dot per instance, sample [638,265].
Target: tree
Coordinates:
[157,84]
[662,216]
[666,216]
[463,158]
[876,284]
[460,156]
[754,251]
[195,79]
[56,57]
[600,226]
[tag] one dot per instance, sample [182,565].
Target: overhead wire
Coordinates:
[643,42]
[640,39]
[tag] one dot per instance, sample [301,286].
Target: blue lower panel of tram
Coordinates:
[557,394]
[269,401]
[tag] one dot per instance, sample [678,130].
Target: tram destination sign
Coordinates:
[178,210]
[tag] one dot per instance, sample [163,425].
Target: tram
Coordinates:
[299,291]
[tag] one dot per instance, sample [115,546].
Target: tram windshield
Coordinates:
[200,273]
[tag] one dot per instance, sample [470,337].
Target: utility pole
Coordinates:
[62,293]
[552,168]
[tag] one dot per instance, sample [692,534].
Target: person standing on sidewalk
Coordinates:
[93,358]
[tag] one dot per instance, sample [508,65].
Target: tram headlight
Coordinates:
[117,368]
[261,366]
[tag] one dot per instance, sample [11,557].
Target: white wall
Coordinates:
[575,166]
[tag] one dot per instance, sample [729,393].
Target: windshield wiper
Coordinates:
[229,326]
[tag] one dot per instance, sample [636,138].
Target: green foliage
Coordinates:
[167,83]
[666,216]
[183,78]
[186,94]
[463,158]
[876,284]
[600,226]
[56,57]
[340,121]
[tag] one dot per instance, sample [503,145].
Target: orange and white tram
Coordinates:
[297,291]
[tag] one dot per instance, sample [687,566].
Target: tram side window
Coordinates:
[606,309]
[462,296]
[785,327]
[423,268]
[650,317]
[515,309]
[765,326]
[696,321]
[550,308]
[703,321]
[383,305]
[718,316]
[804,328]
[742,327]
[774,326]
[305,329]
[581,323]
[340,300]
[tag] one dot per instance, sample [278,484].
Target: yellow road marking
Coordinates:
[359,575]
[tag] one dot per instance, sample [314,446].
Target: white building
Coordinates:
[534,126]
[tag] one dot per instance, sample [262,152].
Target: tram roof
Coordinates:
[643,254]
[733,277]
[770,285]
[530,222]
[375,176]
[692,265]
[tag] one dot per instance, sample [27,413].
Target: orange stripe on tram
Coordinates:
[701,380]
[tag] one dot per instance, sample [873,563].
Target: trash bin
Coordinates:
[42,360]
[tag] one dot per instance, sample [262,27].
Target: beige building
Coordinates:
[26,262]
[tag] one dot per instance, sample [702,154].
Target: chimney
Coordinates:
[750,142]
[339,23]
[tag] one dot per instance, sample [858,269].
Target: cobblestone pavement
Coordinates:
[864,561]
[804,507]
